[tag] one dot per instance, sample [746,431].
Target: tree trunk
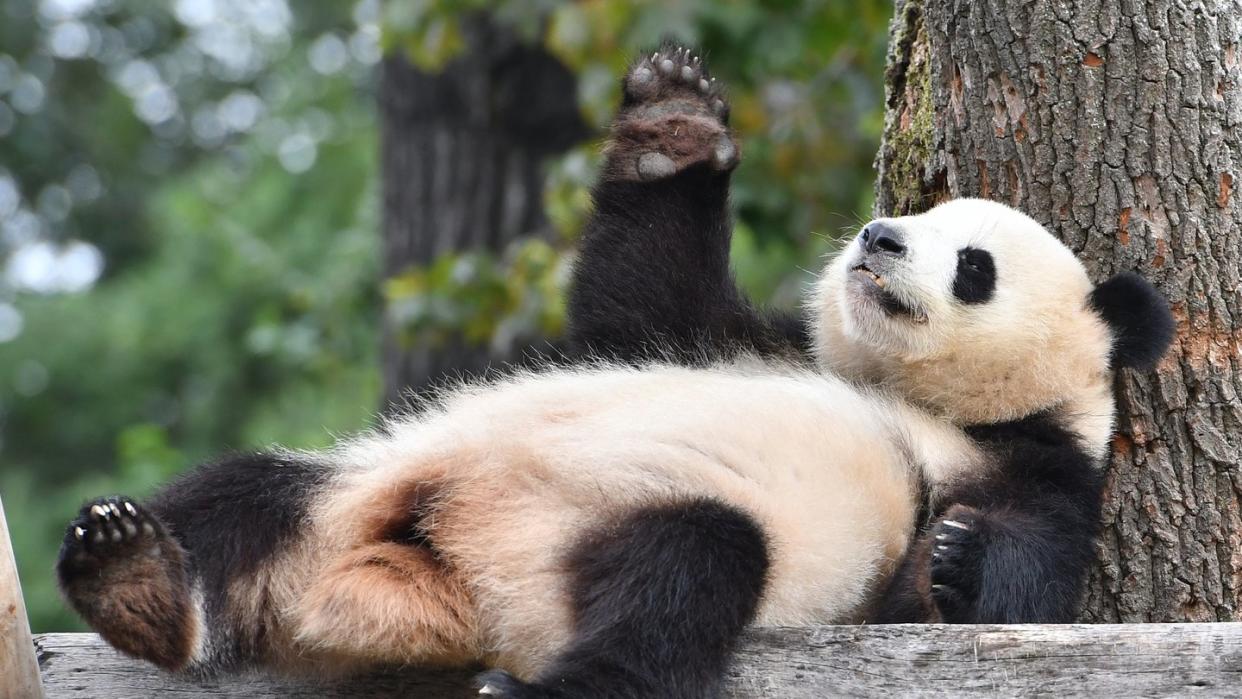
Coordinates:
[1115,123]
[462,156]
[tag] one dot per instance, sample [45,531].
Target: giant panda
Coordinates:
[609,528]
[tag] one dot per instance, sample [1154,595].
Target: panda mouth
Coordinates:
[866,272]
[877,286]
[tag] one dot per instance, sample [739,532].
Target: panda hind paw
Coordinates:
[109,529]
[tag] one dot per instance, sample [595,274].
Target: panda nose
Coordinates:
[882,237]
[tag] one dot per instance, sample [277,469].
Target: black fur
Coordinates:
[659,599]
[122,572]
[1031,527]
[975,281]
[653,277]
[234,514]
[225,518]
[1139,317]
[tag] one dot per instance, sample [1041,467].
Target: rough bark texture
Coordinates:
[1170,660]
[462,157]
[1117,124]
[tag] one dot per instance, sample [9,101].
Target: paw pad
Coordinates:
[109,526]
[653,166]
[670,71]
[673,117]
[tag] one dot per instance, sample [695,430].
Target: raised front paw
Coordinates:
[673,116]
[957,563]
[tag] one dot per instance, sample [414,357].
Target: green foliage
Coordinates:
[480,298]
[806,89]
[240,307]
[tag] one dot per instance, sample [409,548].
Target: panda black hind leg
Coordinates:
[653,276]
[659,597]
[123,572]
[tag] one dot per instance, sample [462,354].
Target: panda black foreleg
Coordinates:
[1010,564]
[1013,546]
[653,279]
[1019,562]
[660,598]
[155,579]
[1017,545]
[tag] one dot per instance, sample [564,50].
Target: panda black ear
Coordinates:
[1139,318]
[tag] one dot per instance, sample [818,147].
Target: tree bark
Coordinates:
[462,157]
[1116,124]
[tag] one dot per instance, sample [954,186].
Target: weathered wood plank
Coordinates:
[19,674]
[1135,660]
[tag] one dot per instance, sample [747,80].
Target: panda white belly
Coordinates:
[521,470]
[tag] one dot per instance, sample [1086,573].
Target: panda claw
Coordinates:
[956,524]
[108,528]
[673,117]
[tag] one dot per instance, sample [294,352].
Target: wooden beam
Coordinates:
[905,660]
[19,671]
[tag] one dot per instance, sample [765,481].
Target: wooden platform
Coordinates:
[1134,660]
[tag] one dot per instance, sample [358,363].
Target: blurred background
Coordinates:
[231,223]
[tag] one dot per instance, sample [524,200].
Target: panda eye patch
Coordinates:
[975,280]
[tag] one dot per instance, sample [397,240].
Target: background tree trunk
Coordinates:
[1116,123]
[462,156]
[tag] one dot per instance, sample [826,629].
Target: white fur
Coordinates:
[829,466]
[526,466]
[1035,345]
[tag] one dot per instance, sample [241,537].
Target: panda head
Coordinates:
[976,312]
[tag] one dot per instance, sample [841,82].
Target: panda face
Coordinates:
[972,310]
[919,285]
